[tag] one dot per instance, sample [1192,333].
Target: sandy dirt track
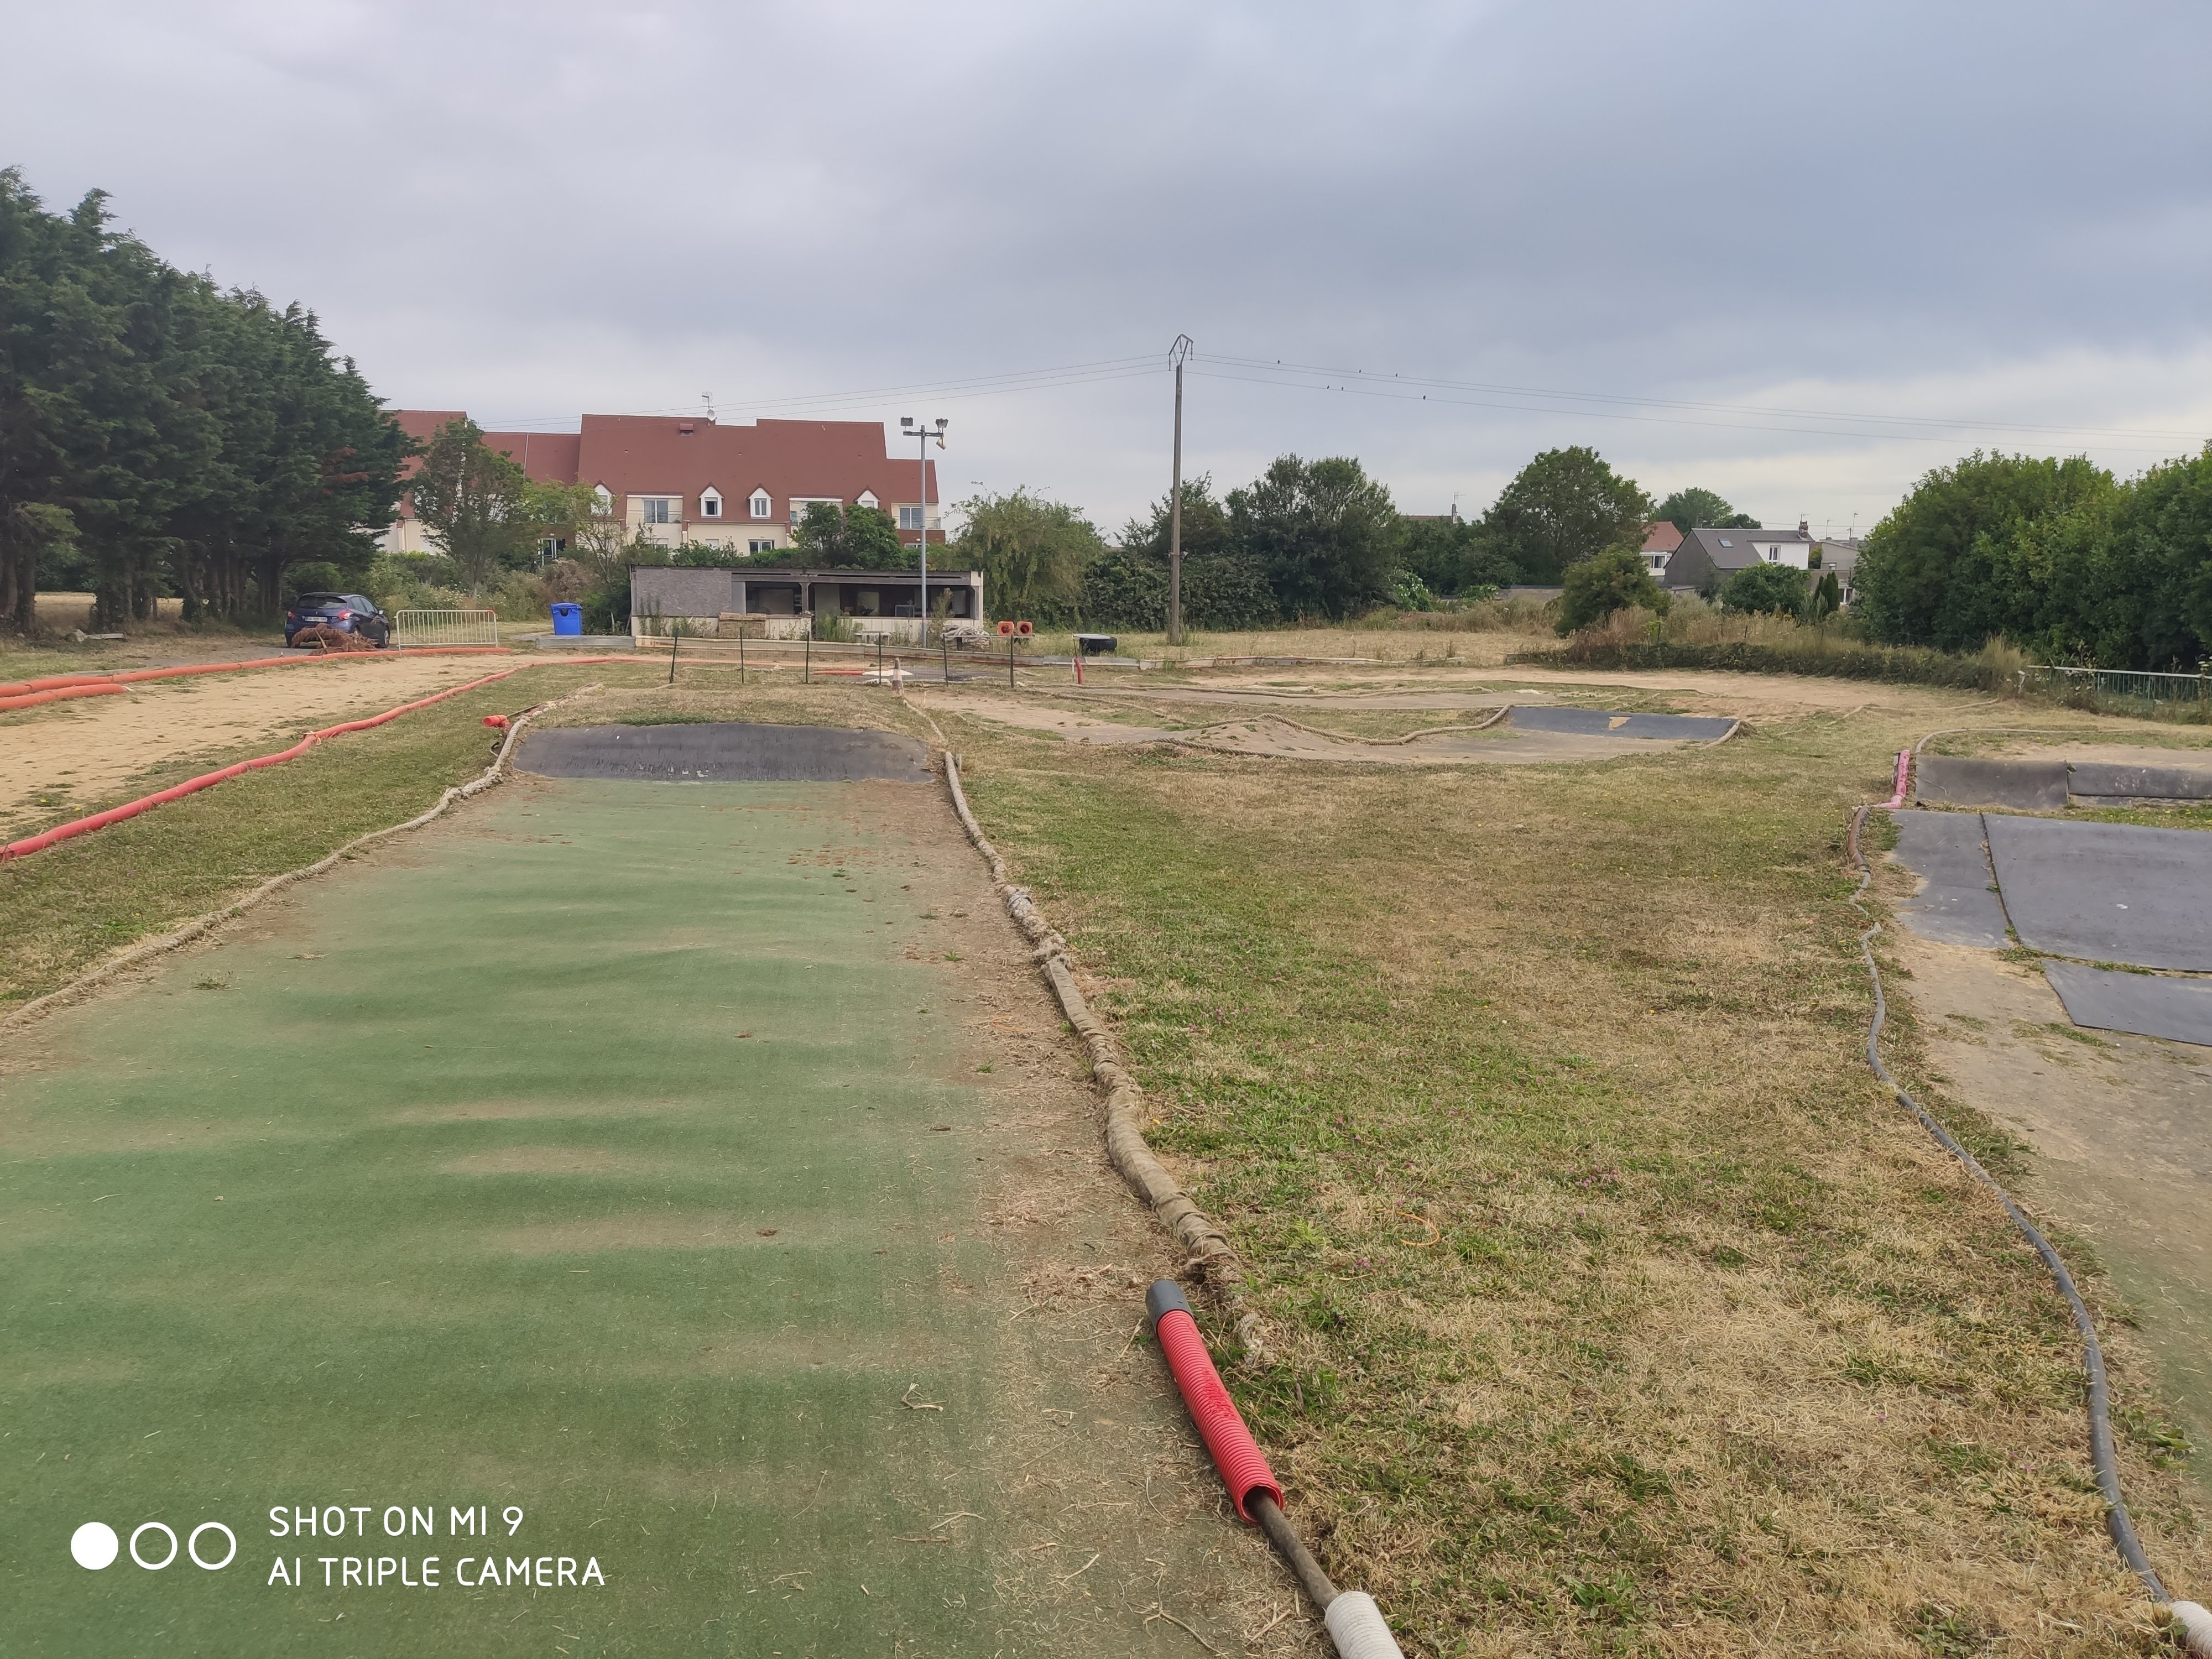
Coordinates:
[82,752]
[1388,686]
[2122,1131]
[1271,735]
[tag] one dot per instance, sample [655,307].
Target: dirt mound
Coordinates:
[322,637]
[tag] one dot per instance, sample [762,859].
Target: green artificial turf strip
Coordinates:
[447,1188]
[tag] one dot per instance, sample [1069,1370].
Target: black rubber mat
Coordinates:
[2026,785]
[1598,723]
[2148,1005]
[2106,892]
[1959,905]
[725,753]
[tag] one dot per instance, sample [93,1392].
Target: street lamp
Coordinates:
[923,433]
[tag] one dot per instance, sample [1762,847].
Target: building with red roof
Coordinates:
[690,478]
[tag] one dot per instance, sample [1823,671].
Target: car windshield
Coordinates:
[316,601]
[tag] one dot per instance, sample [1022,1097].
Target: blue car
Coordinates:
[350,613]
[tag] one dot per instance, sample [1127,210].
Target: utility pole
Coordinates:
[923,433]
[1177,352]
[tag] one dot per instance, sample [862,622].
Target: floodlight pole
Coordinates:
[1180,350]
[922,432]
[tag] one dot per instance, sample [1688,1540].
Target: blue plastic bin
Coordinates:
[569,620]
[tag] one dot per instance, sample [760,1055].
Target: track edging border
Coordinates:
[1210,1252]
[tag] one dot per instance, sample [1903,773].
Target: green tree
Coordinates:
[1780,588]
[1694,509]
[1611,580]
[834,537]
[1951,564]
[1566,506]
[167,436]
[1324,533]
[1453,556]
[1827,598]
[92,430]
[1033,554]
[474,502]
[2124,579]
[1224,585]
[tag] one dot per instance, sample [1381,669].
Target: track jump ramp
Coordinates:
[1959,904]
[2148,1005]
[727,752]
[2095,892]
[1603,723]
[2050,785]
[2106,892]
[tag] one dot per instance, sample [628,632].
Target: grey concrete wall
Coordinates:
[672,591]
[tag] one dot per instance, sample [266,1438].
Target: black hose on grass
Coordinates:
[2195,1622]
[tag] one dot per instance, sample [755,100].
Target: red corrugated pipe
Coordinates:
[59,694]
[1355,1624]
[1904,779]
[133,676]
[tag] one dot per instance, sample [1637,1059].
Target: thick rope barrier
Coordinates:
[2195,1622]
[1212,1255]
[200,927]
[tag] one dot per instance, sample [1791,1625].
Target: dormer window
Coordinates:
[760,506]
[710,504]
[603,502]
[867,498]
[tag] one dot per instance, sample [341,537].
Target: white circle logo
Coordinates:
[94,1545]
[153,1566]
[192,1546]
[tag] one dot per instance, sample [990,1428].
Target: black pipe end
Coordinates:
[1164,1297]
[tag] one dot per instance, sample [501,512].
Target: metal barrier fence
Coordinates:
[2121,685]
[445,627]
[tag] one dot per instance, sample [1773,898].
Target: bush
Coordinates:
[1693,636]
[1775,589]
[1615,580]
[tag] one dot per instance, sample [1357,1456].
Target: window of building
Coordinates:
[868,498]
[603,501]
[909,517]
[762,507]
[660,509]
[760,544]
[710,505]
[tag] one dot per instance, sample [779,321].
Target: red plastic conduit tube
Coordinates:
[1904,779]
[1355,1624]
[133,676]
[58,693]
[38,843]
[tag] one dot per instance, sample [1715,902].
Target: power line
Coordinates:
[1408,388]
[1366,377]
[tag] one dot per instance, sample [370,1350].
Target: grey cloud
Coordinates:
[533,210]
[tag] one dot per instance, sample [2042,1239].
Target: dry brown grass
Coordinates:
[1714,1352]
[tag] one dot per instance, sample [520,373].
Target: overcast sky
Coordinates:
[1695,235]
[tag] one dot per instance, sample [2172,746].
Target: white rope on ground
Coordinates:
[2195,1622]
[200,927]
[1210,1252]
